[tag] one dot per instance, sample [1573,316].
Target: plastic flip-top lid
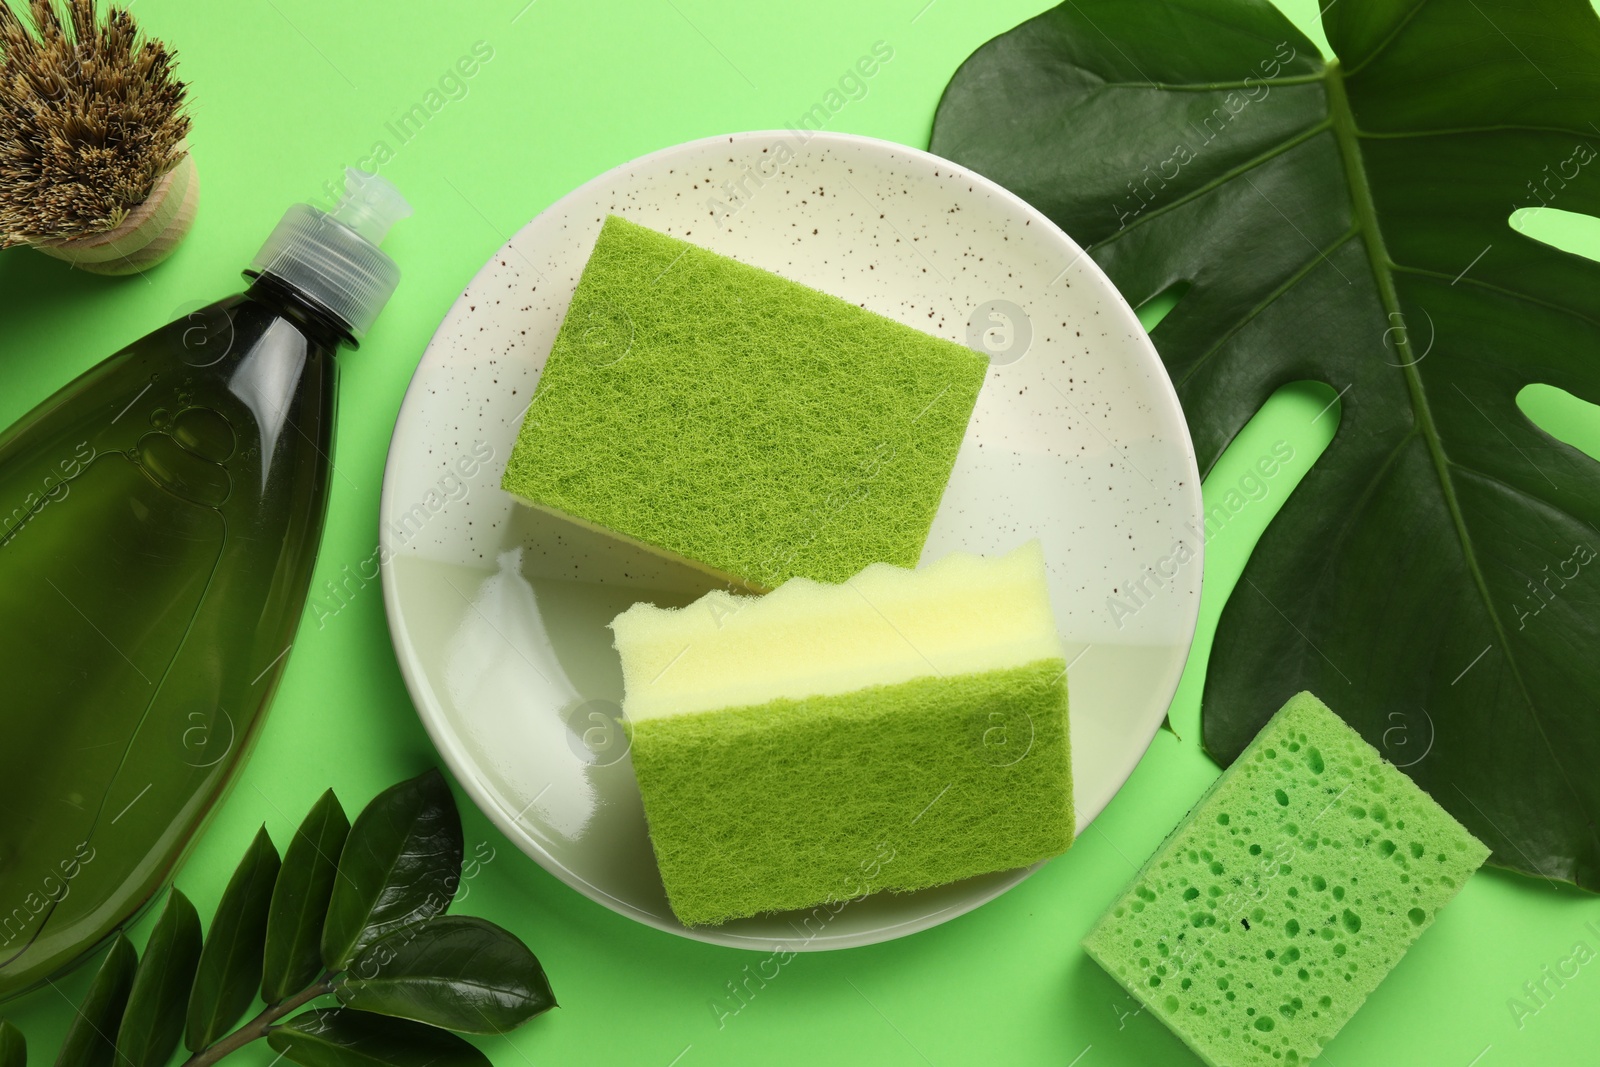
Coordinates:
[333,257]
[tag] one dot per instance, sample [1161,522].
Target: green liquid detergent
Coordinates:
[159,520]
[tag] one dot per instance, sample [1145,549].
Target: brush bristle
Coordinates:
[91,117]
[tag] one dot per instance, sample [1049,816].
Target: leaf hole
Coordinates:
[1567,418]
[1567,231]
[1159,306]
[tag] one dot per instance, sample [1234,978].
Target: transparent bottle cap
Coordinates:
[333,257]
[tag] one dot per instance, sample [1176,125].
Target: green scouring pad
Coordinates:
[1294,885]
[744,423]
[902,730]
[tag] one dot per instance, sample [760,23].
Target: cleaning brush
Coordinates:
[92,124]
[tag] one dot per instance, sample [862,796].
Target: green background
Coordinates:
[285,94]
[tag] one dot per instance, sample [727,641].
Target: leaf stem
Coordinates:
[257,1028]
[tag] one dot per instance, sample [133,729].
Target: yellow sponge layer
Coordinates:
[910,722]
[961,615]
[717,413]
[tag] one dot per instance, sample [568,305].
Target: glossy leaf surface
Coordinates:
[153,1020]
[343,1037]
[401,864]
[13,1046]
[91,1038]
[230,963]
[1436,576]
[300,901]
[456,971]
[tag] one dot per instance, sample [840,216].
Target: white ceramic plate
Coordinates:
[499,613]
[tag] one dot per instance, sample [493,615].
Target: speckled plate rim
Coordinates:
[449,744]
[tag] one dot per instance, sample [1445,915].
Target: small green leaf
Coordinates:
[13,1046]
[153,1021]
[401,864]
[300,901]
[342,1037]
[230,963]
[455,971]
[91,1039]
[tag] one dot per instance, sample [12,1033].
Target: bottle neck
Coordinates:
[313,319]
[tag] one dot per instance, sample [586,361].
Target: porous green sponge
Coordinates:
[1294,885]
[899,731]
[759,429]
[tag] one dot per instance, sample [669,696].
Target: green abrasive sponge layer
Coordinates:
[899,731]
[720,414]
[1291,889]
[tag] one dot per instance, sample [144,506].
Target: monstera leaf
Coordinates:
[1435,577]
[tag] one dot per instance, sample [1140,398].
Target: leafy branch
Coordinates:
[352,912]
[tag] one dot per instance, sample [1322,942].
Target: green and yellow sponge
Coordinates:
[1291,889]
[898,731]
[754,427]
